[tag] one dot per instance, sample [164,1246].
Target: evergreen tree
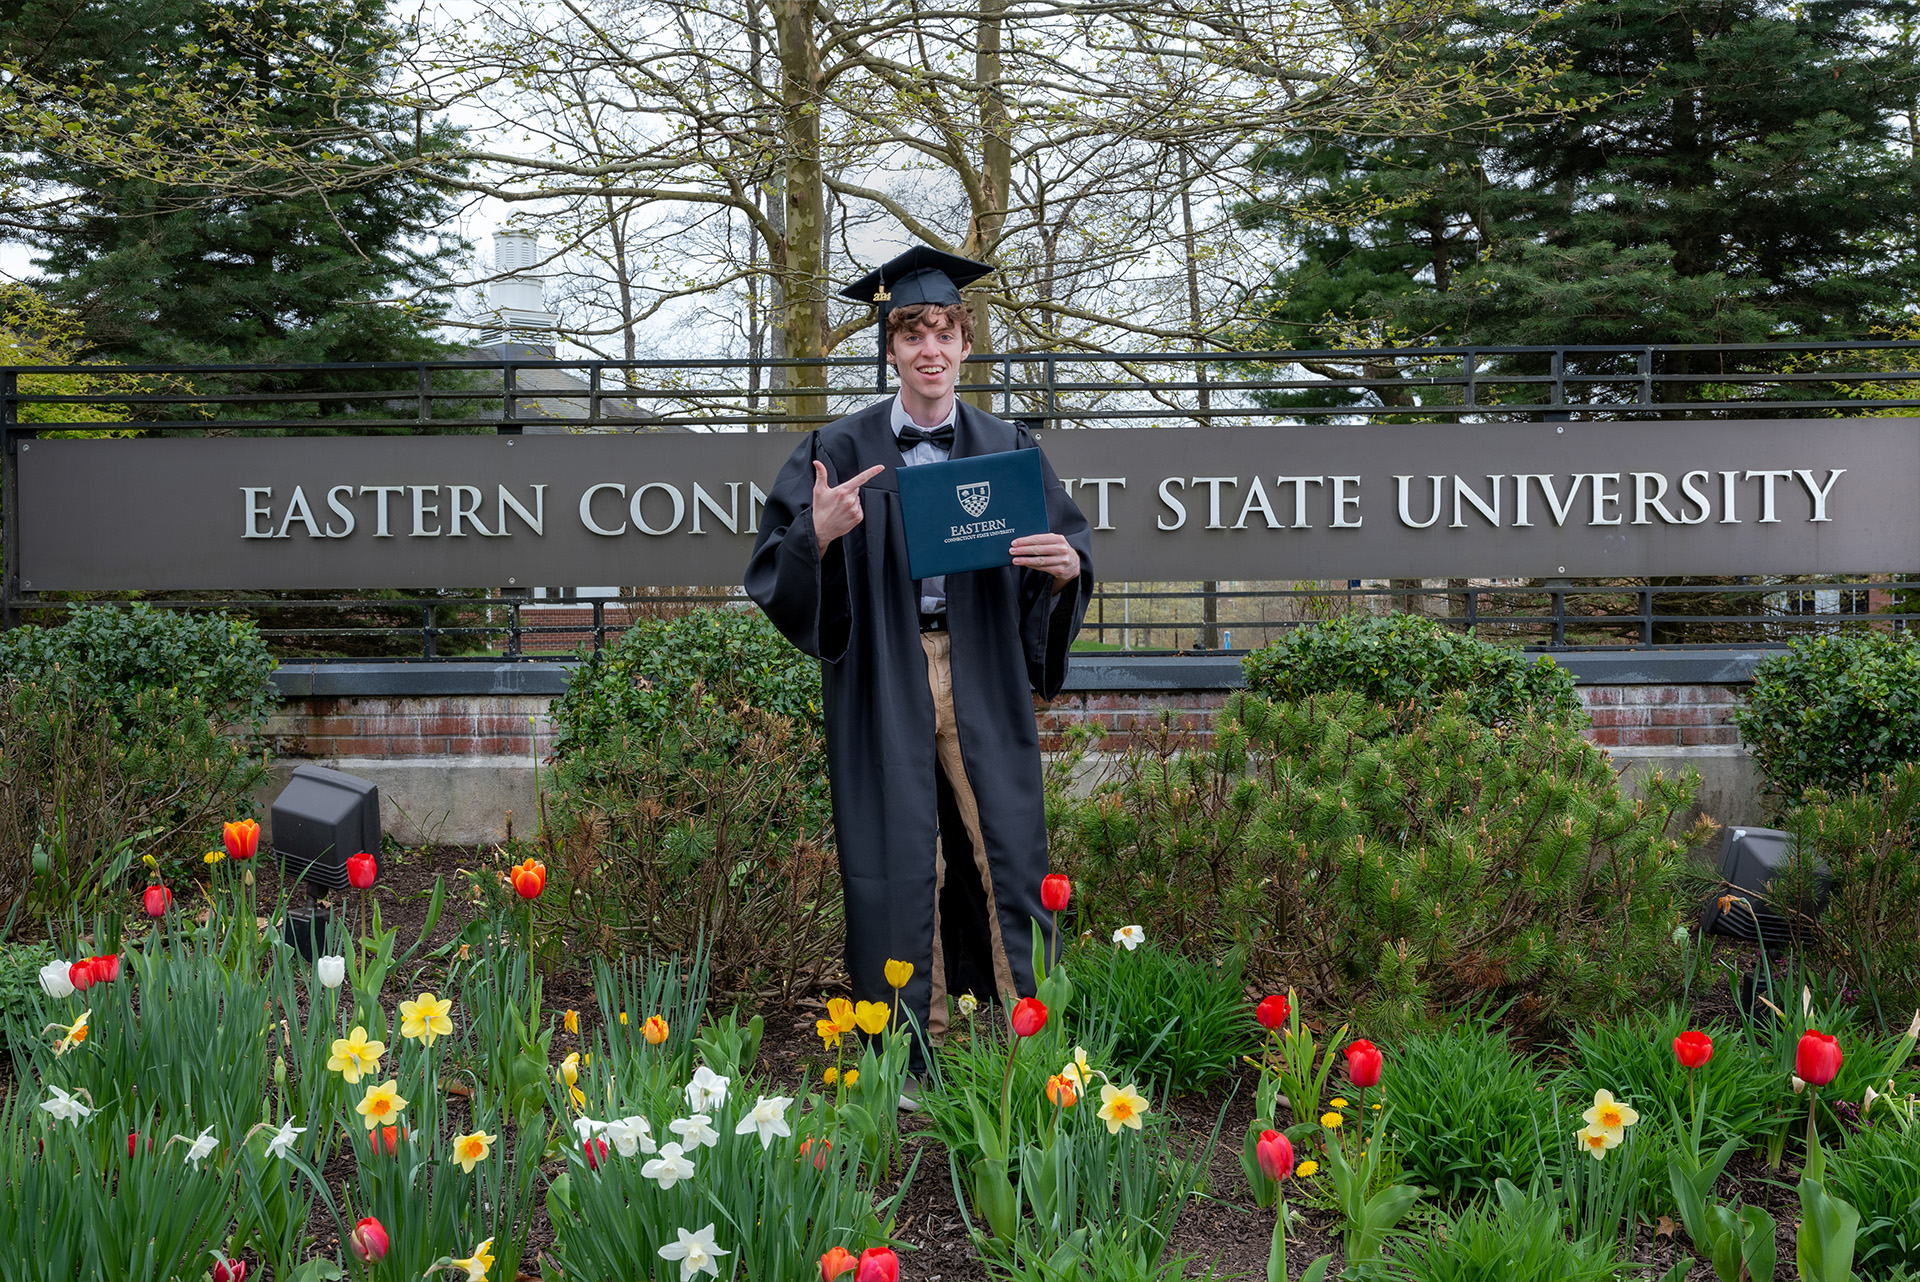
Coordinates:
[162,274]
[1729,171]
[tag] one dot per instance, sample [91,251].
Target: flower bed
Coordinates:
[192,1098]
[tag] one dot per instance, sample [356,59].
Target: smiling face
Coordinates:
[927,354]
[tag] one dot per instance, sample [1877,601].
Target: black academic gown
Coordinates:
[858,611]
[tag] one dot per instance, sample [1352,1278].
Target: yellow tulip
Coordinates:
[572,1022]
[426,1018]
[899,973]
[569,1071]
[840,1011]
[871,1016]
[829,1032]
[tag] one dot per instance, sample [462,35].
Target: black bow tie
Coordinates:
[912,435]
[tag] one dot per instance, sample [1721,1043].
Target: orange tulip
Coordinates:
[836,1261]
[243,839]
[654,1030]
[529,878]
[1060,1091]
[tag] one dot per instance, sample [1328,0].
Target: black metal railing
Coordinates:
[516,394]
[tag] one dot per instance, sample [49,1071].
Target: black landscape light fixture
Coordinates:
[1751,861]
[319,820]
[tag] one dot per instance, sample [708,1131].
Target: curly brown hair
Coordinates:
[931,316]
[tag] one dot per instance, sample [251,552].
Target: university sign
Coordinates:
[1819,496]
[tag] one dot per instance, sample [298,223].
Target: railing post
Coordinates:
[1557,411]
[509,423]
[426,400]
[1646,375]
[427,627]
[1559,595]
[599,624]
[1646,616]
[1470,369]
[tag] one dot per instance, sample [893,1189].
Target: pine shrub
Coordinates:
[1399,863]
[1869,838]
[1408,659]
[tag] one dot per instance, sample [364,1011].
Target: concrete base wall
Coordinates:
[471,801]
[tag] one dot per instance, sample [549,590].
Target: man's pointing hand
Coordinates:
[836,508]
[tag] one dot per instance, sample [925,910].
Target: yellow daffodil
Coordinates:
[381,1105]
[1307,1168]
[1079,1072]
[1121,1106]
[354,1056]
[571,1020]
[1331,1121]
[478,1263]
[623,1019]
[1610,1115]
[71,1035]
[829,1032]
[654,1030]
[871,1017]
[840,1011]
[213,856]
[426,1018]
[1597,1141]
[899,973]
[469,1149]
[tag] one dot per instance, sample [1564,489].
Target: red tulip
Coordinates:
[361,870]
[1817,1061]
[243,841]
[878,1264]
[1275,1152]
[1029,1017]
[80,975]
[1692,1048]
[158,899]
[1363,1063]
[529,878]
[105,969]
[387,1136]
[225,1270]
[368,1240]
[596,1153]
[132,1139]
[1055,891]
[836,1261]
[1273,1012]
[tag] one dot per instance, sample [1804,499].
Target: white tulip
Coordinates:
[53,979]
[332,970]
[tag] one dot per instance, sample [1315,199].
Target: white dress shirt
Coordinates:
[933,591]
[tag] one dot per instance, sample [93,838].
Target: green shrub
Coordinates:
[1467,1110]
[20,994]
[1514,1237]
[1408,659]
[1396,863]
[1833,710]
[118,654]
[1181,1023]
[1868,838]
[1878,1173]
[84,790]
[633,688]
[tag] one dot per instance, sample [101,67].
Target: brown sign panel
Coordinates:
[1819,496]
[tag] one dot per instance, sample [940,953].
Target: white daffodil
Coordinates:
[586,1128]
[769,1117]
[201,1148]
[1079,1072]
[331,970]
[669,1168]
[696,1253]
[707,1091]
[283,1139]
[54,981]
[695,1132]
[1130,936]
[65,1107]
[629,1135]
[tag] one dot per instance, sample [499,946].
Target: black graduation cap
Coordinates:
[921,275]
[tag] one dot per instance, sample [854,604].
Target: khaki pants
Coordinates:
[946,738]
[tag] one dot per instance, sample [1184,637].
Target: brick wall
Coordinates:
[496,725]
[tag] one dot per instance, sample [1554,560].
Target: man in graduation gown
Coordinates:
[932,748]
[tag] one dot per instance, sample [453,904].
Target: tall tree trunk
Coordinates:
[996,173]
[802,261]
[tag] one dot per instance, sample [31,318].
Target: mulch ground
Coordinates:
[1222,1233]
